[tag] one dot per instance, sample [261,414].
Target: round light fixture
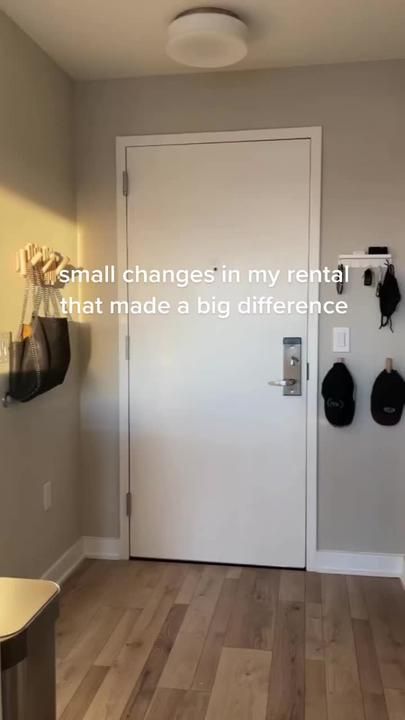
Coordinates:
[207,38]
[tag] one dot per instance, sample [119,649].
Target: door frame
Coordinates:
[314,134]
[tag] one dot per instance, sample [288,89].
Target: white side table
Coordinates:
[28,611]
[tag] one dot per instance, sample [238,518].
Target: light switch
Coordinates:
[341,339]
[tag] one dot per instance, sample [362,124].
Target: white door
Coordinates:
[217,455]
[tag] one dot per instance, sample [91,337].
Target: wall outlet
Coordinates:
[47,495]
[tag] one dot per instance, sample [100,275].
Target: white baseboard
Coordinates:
[378,565]
[86,547]
[67,563]
[325,561]
[102,548]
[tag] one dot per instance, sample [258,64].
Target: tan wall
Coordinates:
[361,108]
[38,441]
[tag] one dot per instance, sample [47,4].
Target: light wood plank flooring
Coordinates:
[173,641]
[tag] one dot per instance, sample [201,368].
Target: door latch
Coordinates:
[291,382]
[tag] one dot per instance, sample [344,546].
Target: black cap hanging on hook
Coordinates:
[338,393]
[388,396]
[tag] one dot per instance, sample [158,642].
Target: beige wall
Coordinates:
[361,108]
[38,441]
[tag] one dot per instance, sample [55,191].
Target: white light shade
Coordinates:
[207,39]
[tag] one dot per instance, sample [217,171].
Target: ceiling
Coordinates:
[122,38]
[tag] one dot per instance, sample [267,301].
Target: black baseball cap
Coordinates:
[338,393]
[387,398]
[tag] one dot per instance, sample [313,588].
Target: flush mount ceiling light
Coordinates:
[207,38]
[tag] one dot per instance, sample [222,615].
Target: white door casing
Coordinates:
[223,466]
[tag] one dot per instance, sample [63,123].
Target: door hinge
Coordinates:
[307,371]
[127,348]
[128,504]
[125,183]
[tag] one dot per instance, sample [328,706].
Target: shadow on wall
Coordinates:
[39,440]
[36,124]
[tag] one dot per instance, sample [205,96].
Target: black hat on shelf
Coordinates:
[338,393]
[387,398]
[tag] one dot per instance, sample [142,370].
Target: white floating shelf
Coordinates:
[364,260]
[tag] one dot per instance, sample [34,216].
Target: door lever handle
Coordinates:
[287,382]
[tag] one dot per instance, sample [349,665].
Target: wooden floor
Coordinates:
[186,642]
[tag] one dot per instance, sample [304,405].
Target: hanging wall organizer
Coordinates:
[47,262]
[364,260]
